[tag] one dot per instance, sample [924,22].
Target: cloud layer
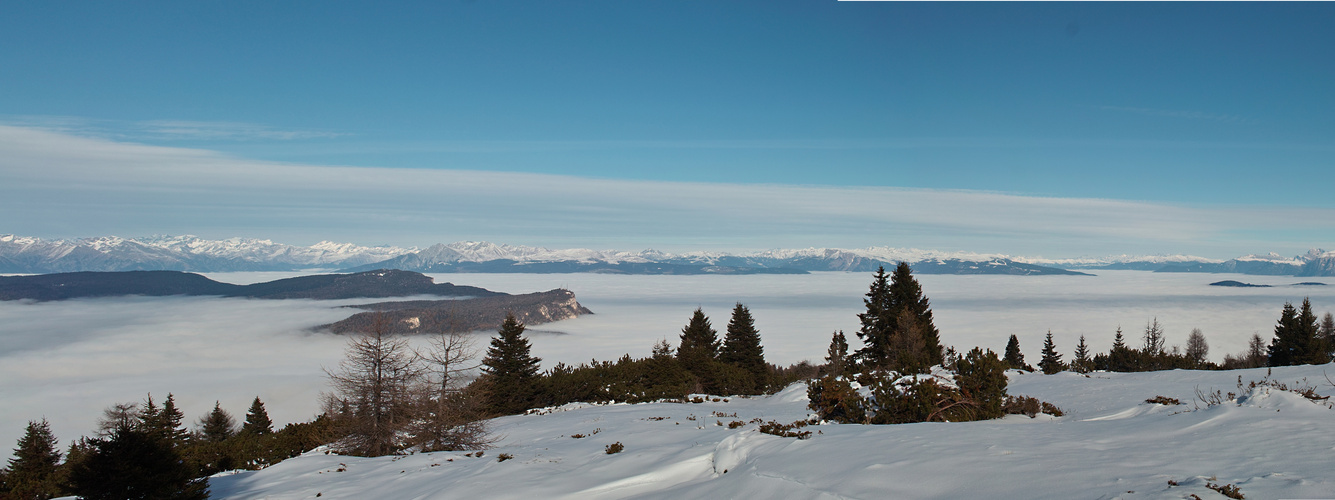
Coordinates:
[63,185]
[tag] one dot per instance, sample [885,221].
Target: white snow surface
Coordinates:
[1111,444]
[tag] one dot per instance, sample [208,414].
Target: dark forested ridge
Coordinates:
[443,316]
[378,283]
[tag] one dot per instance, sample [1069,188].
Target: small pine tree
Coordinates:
[981,378]
[1014,359]
[662,349]
[511,370]
[699,345]
[836,359]
[1052,360]
[741,347]
[33,472]
[217,425]
[257,420]
[1081,362]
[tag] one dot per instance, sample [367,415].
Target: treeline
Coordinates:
[144,451]
[1299,338]
[701,363]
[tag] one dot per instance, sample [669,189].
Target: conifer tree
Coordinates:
[699,345]
[836,358]
[877,323]
[1080,361]
[1311,346]
[217,425]
[1327,333]
[1052,360]
[1122,358]
[662,349]
[981,378]
[741,347]
[511,370]
[1014,359]
[1285,348]
[906,294]
[257,420]
[169,422]
[33,472]
[134,464]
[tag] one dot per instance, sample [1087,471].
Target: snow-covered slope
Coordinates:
[1110,444]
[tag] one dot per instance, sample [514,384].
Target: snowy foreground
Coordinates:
[1110,444]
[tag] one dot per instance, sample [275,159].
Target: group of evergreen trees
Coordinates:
[900,342]
[143,451]
[1299,339]
[897,330]
[701,363]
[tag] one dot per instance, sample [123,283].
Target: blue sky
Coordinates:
[1218,107]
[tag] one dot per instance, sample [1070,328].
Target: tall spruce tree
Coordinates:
[34,470]
[699,345]
[1080,362]
[1312,347]
[1014,359]
[1052,360]
[836,358]
[906,294]
[167,422]
[1285,347]
[257,420]
[741,347]
[877,323]
[511,370]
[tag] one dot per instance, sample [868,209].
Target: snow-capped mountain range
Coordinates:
[24,254]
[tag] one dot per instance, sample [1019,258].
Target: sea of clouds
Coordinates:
[66,361]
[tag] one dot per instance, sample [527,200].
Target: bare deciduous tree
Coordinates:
[118,417]
[448,416]
[373,396]
[1197,348]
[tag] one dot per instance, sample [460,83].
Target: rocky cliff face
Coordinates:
[444,316]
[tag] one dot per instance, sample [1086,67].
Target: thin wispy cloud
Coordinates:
[163,130]
[78,186]
[1172,113]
